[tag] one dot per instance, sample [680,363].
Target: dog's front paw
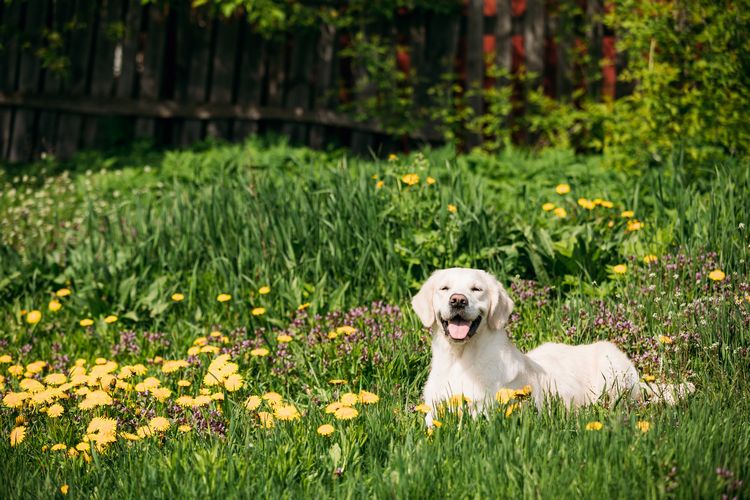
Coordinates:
[428,420]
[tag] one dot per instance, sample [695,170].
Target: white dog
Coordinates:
[467,309]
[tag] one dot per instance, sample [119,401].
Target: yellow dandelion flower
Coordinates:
[349,399]
[6,358]
[260,351]
[452,208]
[130,436]
[392,157]
[110,319]
[562,189]
[223,297]
[548,207]
[234,382]
[64,489]
[273,398]
[620,269]
[594,426]
[304,306]
[368,398]
[346,329]
[184,428]
[634,225]
[252,403]
[161,394]
[86,322]
[333,407]
[258,311]
[266,419]
[430,181]
[504,395]
[94,399]
[648,378]
[325,430]
[172,365]
[17,435]
[560,213]
[159,424]
[178,297]
[63,292]
[643,426]
[715,275]
[664,339]
[264,290]
[34,317]
[379,185]
[286,412]
[345,413]
[55,410]
[284,338]
[31,385]
[59,447]
[185,401]
[587,204]
[337,381]
[16,370]
[410,179]
[423,408]
[184,383]
[650,259]
[627,214]
[54,305]
[606,204]
[511,408]
[55,379]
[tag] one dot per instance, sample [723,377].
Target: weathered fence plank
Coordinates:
[324,80]
[8,70]
[153,61]
[251,77]
[223,68]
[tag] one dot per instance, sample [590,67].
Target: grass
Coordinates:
[125,233]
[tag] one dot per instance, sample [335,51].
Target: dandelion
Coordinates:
[333,407]
[430,181]
[304,306]
[110,319]
[178,297]
[594,426]
[6,358]
[452,208]
[273,398]
[325,430]
[59,447]
[64,489]
[223,297]
[94,399]
[715,275]
[345,413]
[423,408]
[620,269]
[54,305]
[86,322]
[284,338]
[643,426]
[627,214]
[55,379]
[410,179]
[234,382]
[664,339]
[587,204]
[260,351]
[264,290]
[337,381]
[511,408]
[648,378]
[15,399]
[172,365]
[560,213]
[606,204]
[379,185]
[55,410]
[17,435]
[332,335]
[504,395]
[346,329]
[34,317]
[368,398]
[184,428]
[548,207]
[266,419]
[286,412]
[562,189]
[650,259]
[349,399]
[252,403]
[392,157]
[63,292]
[634,225]
[159,424]
[258,311]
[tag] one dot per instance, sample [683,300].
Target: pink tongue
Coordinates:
[458,329]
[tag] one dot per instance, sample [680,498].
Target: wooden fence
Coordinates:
[178,75]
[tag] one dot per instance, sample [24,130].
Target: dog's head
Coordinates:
[462,302]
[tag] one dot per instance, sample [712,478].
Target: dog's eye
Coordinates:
[445,288]
[476,289]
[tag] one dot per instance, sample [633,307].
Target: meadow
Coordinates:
[234,321]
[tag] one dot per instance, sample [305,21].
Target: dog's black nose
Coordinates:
[459,301]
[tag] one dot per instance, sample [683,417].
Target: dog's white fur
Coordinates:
[480,365]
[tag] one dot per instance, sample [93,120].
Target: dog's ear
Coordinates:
[422,302]
[501,305]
